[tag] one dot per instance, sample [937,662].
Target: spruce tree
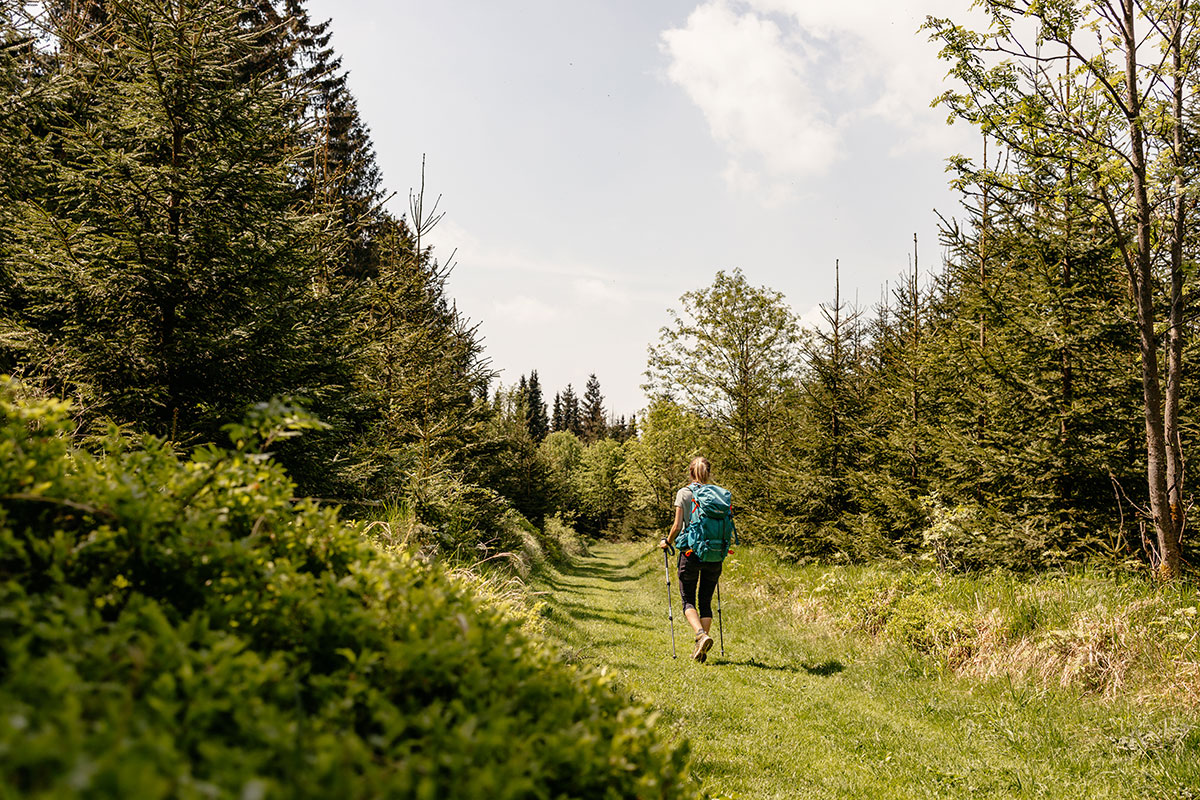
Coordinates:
[20,80]
[536,420]
[168,273]
[556,420]
[341,173]
[572,419]
[593,423]
[419,373]
[833,404]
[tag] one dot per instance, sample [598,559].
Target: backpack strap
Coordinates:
[695,500]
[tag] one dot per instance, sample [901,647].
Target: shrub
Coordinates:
[871,604]
[971,537]
[601,493]
[177,627]
[923,623]
[569,541]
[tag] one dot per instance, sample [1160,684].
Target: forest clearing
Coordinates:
[274,523]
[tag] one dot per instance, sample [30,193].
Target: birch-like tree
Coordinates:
[1103,91]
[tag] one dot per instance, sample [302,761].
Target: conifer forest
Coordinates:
[272,524]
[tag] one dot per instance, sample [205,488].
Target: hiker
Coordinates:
[702,550]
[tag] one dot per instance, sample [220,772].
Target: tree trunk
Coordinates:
[835,389]
[1066,389]
[1143,281]
[1170,547]
[914,368]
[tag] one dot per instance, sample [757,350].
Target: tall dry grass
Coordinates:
[1103,632]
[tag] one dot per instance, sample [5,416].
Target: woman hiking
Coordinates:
[703,513]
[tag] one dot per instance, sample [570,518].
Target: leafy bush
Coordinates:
[970,537]
[602,495]
[871,603]
[177,627]
[927,625]
[570,542]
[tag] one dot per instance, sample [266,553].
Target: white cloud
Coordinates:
[609,293]
[783,83]
[754,89]
[478,256]
[525,311]
[814,319]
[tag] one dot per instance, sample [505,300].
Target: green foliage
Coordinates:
[161,266]
[969,537]
[572,415]
[1100,146]
[1006,388]
[656,461]
[200,230]
[591,414]
[177,627]
[602,498]
[921,622]
[535,409]
[729,356]
[507,460]
[571,543]
[563,453]
[413,413]
[1109,634]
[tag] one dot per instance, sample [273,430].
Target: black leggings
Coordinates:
[696,574]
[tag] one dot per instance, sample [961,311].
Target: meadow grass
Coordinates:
[836,683]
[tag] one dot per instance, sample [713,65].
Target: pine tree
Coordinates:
[833,402]
[168,272]
[572,419]
[593,424]
[536,420]
[341,174]
[556,420]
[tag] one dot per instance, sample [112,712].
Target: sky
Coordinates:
[595,159]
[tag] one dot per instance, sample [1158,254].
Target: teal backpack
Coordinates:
[711,533]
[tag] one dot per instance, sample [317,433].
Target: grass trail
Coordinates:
[796,711]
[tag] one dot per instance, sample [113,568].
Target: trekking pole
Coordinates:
[670,612]
[720,627]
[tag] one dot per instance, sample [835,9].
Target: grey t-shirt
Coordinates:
[684,500]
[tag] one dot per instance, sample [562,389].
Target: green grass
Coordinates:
[801,708]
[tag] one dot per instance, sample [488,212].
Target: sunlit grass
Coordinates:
[805,703]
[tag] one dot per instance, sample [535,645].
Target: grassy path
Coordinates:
[796,711]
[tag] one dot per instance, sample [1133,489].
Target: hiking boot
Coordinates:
[704,643]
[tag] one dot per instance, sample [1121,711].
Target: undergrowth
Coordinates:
[175,625]
[1101,631]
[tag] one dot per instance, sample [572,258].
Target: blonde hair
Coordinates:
[698,470]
